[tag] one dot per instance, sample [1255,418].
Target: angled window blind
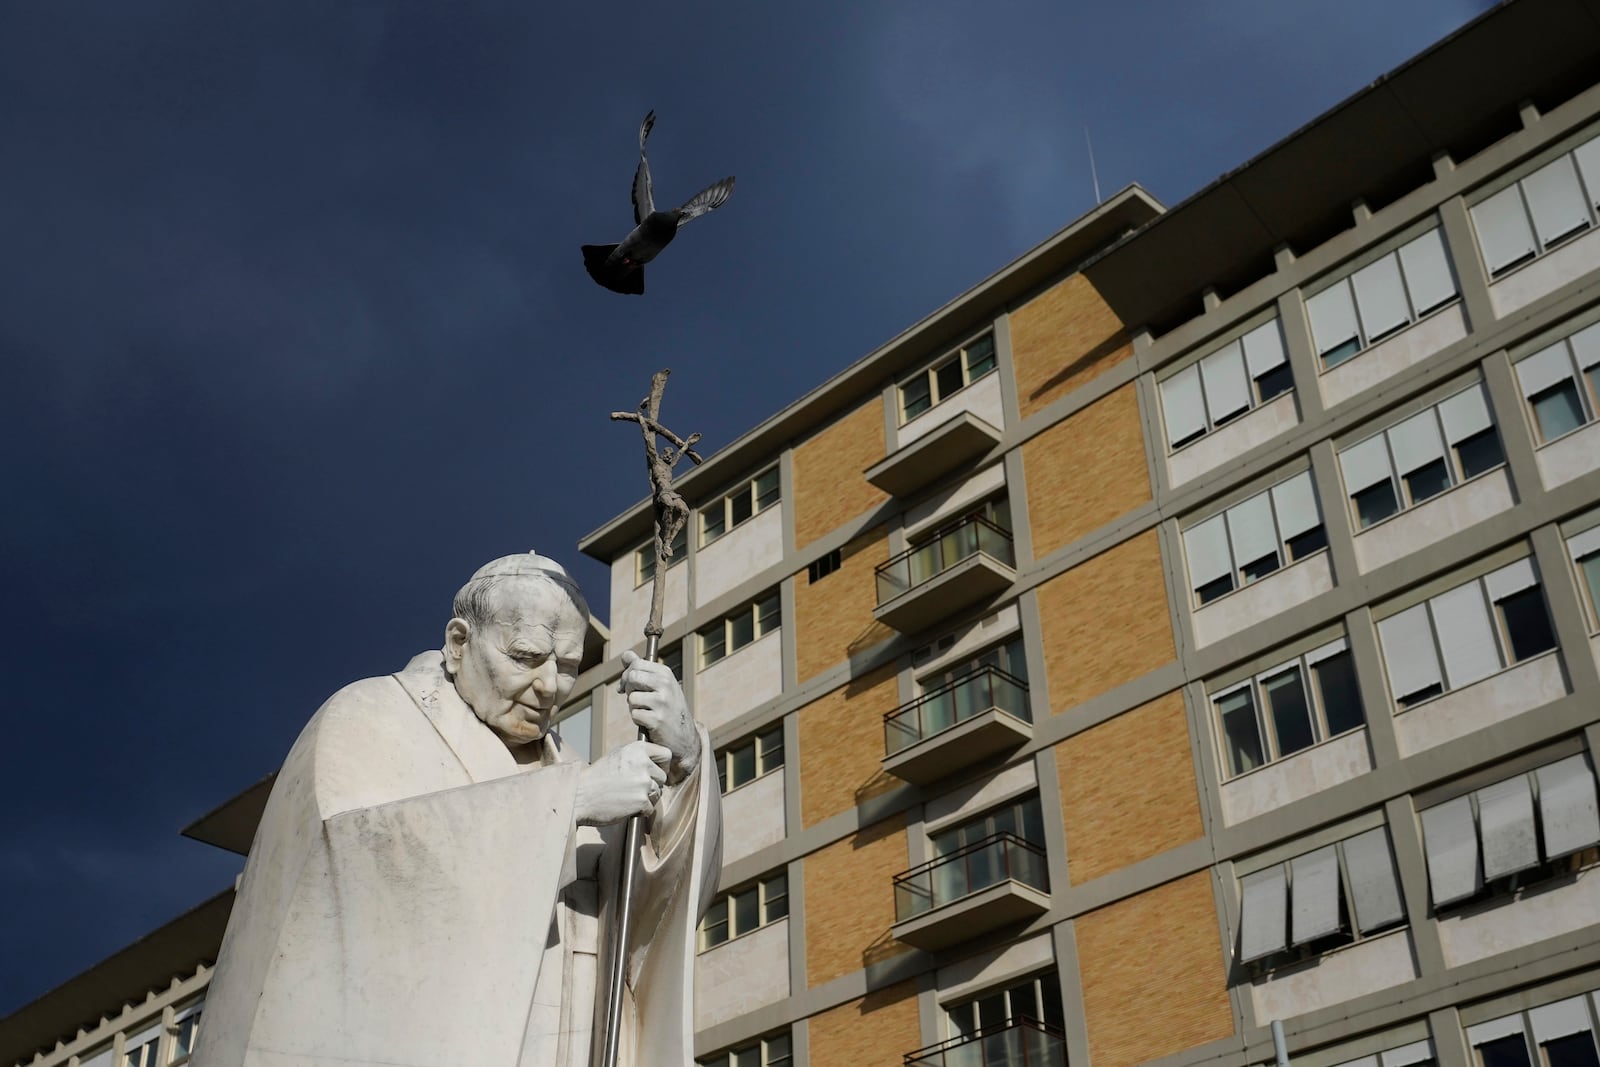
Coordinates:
[1556,200]
[1450,840]
[1564,1017]
[1567,806]
[1226,387]
[1263,349]
[1427,271]
[1505,824]
[1409,1055]
[1588,158]
[1373,881]
[1466,635]
[1264,920]
[1408,652]
[1381,297]
[1315,892]
[1543,369]
[1512,578]
[1465,414]
[1581,544]
[1415,442]
[1503,231]
[1365,464]
[1586,346]
[1495,1029]
[1296,504]
[1181,405]
[1251,530]
[1206,546]
[1333,317]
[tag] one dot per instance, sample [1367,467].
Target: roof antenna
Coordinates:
[1092,172]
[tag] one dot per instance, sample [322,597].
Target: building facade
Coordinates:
[1191,627]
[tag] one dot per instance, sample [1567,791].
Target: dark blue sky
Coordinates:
[295,332]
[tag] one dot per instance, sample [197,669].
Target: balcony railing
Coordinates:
[952,703]
[1018,1042]
[962,540]
[1002,857]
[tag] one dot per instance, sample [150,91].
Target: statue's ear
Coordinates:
[456,632]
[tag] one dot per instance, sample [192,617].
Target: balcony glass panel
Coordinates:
[1018,1042]
[949,546]
[952,703]
[1001,857]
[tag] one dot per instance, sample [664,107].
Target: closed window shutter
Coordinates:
[1567,806]
[1450,840]
[1588,159]
[1315,892]
[1466,635]
[1296,504]
[1408,651]
[1226,387]
[1427,271]
[1264,922]
[1373,881]
[1181,405]
[1580,545]
[1563,1018]
[1494,1029]
[1512,578]
[1409,1055]
[1586,346]
[1206,546]
[1381,297]
[1555,200]
[1503,231]
[1415,442]
[1505,823]
[1251,531]
[1333,317]
[1365,464]
[1263,349]
[1465,414]
[1543,369]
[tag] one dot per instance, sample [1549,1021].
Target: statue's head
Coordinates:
[515,643]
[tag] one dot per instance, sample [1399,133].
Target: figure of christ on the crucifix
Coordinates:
[435,878]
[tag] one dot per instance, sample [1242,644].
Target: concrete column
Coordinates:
[1516,436]
[1302,353]
[1064,940]
[1405,831]
[1336,520]
[1471,275]
[1367,657]
[1567,615]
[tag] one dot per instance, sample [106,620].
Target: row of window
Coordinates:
[739,628]
[1562,384]
[156,1045]
[934,385]
[735,508]
[1288,708]
[743,910]
[1254,538]
[1529,217]
[1241,375]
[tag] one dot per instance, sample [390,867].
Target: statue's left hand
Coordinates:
[658,707]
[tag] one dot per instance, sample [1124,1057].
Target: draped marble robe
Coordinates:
[418,894]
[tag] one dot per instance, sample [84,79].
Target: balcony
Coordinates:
[959,439]
[965,563]
[991,883]
[976,716]
[1018,1042]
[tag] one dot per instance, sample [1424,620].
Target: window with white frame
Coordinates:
[737,629]
[1585,551]
[1513,833]
[1562,384]
[644,559]
[740,911]
[770,1051]
[140,1049]
[100,1057]
[1465,634]
[1288,708]
[1037,997]
[744,761]
[1240,375]
[1529,217]
[186,1032]
[739,506]
[1421,457]
[1381,299]
[672,659]
[1560,1034]
[1253,538]
[1319,901]
[932,386]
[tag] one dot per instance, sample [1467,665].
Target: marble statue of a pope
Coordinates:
[434,880]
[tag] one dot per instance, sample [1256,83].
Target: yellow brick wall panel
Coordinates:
[1061,339]
[1128,789]
[1105,621]
[849,888]
[1153,976]
[841,746]
[833,617]
[1085,471]
[880,1028]
[829,486]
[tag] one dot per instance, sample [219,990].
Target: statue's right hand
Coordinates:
[626,781]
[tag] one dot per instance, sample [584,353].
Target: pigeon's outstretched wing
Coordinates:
[708,199]
[644,201]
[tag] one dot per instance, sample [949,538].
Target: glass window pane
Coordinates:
[778,1052]
[741,506]
[746,911]
[747,1057]
[1557,410]
[992,1010]
[743,769]
[1218,587]
[1479,453]
[1573,1050]
[1290,714]
[741,629]
[714,521]
[1426,481]
[714,928]
[775,892]
[1336,688]
[769,750]
[680,545]
[915,397]
[713,644]
[1302,545]
[1274,382]
[768,610]
[1589,567]
[1527,624]
[947,379]
[980,358]
[1050,992]
[767,489]
[1375,503]
[1504,1052]
[1257,569]
[1240,738]
[647,564]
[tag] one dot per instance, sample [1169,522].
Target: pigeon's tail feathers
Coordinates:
[617,278]
[708,199]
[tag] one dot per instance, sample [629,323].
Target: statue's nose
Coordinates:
[544,679]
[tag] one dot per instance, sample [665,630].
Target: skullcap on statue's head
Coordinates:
[474,602]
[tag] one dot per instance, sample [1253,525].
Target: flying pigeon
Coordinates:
[620,267]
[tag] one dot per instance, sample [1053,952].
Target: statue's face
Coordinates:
[515,671]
